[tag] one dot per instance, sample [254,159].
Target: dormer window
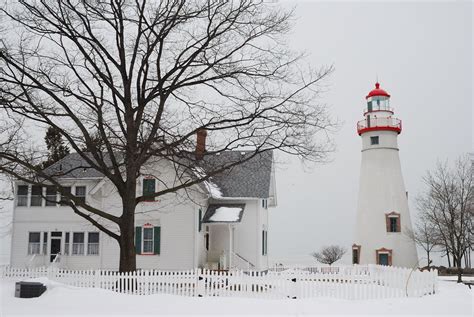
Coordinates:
[392,221]
[81,193]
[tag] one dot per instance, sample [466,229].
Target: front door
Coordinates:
[383,258]
[55,247]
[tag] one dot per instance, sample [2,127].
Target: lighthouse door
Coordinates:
[383,258]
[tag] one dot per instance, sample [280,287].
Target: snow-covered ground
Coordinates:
[61,300]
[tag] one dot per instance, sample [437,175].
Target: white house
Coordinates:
[383,217]
[220,224]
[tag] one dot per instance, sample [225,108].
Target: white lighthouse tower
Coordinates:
[382,211]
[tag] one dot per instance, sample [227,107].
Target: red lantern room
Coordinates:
[377,92]
[378,114]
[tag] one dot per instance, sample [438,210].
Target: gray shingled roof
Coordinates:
[250,179]
[72,166]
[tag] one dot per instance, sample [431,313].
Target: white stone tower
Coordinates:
[382,211]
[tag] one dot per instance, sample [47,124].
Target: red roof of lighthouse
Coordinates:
[377,92]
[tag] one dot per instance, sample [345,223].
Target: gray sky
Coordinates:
[422,53]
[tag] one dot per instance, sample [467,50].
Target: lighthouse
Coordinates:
[383,218]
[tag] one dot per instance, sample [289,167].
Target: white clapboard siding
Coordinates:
[354,282]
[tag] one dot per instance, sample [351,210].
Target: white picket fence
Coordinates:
[351,282]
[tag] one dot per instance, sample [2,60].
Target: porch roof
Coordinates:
[224,213]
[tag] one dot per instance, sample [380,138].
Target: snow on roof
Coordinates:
[226,214]
[211,187]
[223,213]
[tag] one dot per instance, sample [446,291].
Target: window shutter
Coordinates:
[149,187]
[399,228]
[387,222]
[138,240]
[200,220]
[263,242]
[157,240]
[369,106]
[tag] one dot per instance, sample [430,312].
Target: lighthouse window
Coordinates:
[374,140]
[393,224]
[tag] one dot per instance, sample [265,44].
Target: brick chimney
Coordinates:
[201,143]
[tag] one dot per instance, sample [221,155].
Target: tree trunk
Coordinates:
[459,264]
[127,251]
[449,259]
[127,230]
[428,256]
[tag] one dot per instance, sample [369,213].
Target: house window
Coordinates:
[265,203]
[392,221]
[149,187]
[50,196]
[78,243]
[45,243]
[147,239]
[64,200]
[22,195]
[66,243]
[81,193]
[93,243]
[34,242]
[36,196]
[264,242]
[374,140]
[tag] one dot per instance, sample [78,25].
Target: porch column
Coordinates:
[231,250]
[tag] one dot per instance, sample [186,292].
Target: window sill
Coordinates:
[147,254]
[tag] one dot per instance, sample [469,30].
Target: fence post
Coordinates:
[200,283]
[294,289]
[97,279]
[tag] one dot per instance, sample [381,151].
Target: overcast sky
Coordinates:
[422,53]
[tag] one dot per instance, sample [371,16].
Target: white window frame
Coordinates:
[46,195]
[83,244]
[67,244]
[152,239]
[96,244]
[38,244]
[27,196]
[41,196]
[75,192]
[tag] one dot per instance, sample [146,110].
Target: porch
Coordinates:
[222,249]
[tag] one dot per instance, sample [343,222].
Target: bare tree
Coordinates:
[143,78]
[424,235]
[330,254]
[448,204]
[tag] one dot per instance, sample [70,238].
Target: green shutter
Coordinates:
[157,240]
[138,240]
[149,186]
[200,220]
